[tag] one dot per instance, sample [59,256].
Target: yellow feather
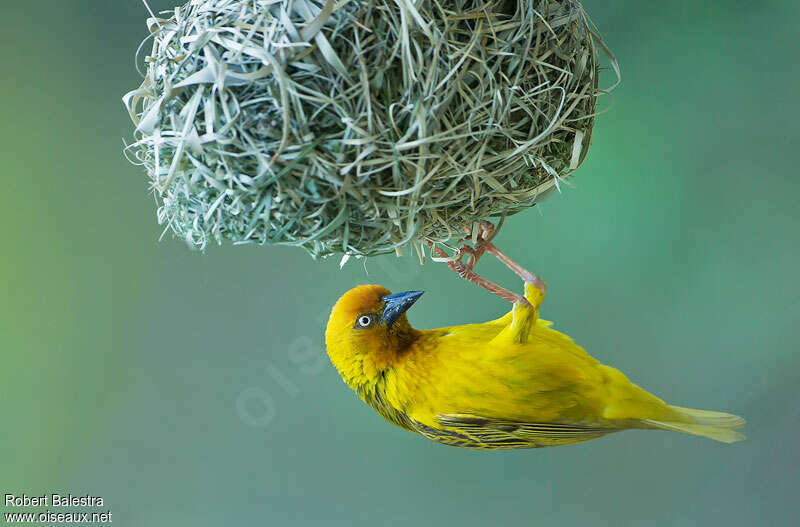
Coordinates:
[513,382]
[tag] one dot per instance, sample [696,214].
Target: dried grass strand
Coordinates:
[362,126]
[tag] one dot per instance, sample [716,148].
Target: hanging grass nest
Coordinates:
[362,126]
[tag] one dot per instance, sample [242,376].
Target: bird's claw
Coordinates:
[486,230]
[470,252]
[481,234]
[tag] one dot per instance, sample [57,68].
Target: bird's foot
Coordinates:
[482,235]
[471,254]
[484,230]
[465,270]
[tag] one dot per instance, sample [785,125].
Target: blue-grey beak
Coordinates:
[397,304]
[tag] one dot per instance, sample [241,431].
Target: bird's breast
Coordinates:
[460,371]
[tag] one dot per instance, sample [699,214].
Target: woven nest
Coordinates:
[363,126]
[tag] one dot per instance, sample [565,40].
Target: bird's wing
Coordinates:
[482,432]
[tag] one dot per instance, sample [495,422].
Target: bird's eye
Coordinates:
[364,321]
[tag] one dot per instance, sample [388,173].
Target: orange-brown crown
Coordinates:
[361,354]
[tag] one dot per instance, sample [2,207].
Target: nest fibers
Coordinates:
[362,126]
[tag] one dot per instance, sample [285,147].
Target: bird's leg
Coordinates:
[534,286]
[527,276]
[472,254]
[464,270]
[523,314]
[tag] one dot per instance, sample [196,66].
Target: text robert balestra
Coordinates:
[53,500]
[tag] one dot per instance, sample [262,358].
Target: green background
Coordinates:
[190,389]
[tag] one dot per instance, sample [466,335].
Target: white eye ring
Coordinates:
[364,321]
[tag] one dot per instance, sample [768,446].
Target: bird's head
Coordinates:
[368,331]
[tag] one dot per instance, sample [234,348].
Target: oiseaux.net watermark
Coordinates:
[51,509]
[256,406]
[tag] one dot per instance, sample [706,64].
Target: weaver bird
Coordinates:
[514,382]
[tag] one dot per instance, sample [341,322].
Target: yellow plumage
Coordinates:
[513,382]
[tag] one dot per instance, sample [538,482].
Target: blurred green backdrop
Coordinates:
[191,389]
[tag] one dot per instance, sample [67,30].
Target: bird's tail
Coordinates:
[718,426]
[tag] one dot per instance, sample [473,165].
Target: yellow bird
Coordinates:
[514,382]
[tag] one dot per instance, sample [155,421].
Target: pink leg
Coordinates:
[465,271]
[486,231]
[523,273]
